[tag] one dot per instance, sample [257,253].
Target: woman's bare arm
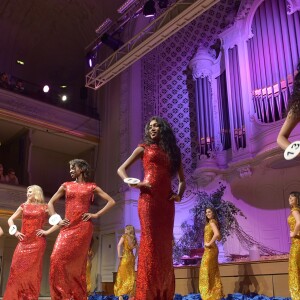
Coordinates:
[288,126]
[110,203]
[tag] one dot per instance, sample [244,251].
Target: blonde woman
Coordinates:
[124,284]
[294,259]
[26,269]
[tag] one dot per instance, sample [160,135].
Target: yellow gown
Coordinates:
[88,271]
[125,281]
[210,285]
[294,260]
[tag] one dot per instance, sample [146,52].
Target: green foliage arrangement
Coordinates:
[193,230]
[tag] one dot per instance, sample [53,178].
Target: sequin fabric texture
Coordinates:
[89,271]
[210,285]
[25,276]
[155,273]
[294,259]
[125,280]
[69,256]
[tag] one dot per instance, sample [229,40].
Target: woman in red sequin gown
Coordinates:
[69,256]
[26,269]
[161,159]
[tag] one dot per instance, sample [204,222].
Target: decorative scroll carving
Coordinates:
[244,9]
[292,6]
[245,171]
[202,63]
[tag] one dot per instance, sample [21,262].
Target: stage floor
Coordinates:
[267,277]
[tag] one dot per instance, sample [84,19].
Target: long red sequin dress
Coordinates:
[155,273]
[69,256]
[25,276]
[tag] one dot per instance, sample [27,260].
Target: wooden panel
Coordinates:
[281,285]
[186,286]
[257,268]
[108,288]
[265,277]
[187,272]
[245,284]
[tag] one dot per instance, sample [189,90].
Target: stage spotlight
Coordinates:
[149,9]
[64,98]
[163,3]
[91,57]
[111,42]
[46,88]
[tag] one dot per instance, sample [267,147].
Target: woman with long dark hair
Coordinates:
[294,258]
[161,159]
[210,285]
[69,256]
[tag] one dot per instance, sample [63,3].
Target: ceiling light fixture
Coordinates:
[149,9]
[20,62]
[46,88]
[91,57]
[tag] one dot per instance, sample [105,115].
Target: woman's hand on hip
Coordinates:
[88,216]
[142,184]
[19,235]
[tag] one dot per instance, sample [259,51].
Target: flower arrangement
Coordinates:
[226,211]
[193,230]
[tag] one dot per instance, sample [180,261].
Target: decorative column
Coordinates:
[201,66]
[238,82]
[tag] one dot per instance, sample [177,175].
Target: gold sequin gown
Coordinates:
[89,271]
[125,280]
[26,268]
[210,285]
[69,256]
[294,260]
[155,272]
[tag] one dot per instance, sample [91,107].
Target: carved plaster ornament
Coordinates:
[292,6]
[244,9]
[245,171]
[201,63]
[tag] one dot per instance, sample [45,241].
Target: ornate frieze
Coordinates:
[201,64]
[292,6]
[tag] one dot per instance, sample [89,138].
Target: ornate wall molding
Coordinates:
[244,9]
[245,171]
[25,110]
[201,64]
[292,6]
